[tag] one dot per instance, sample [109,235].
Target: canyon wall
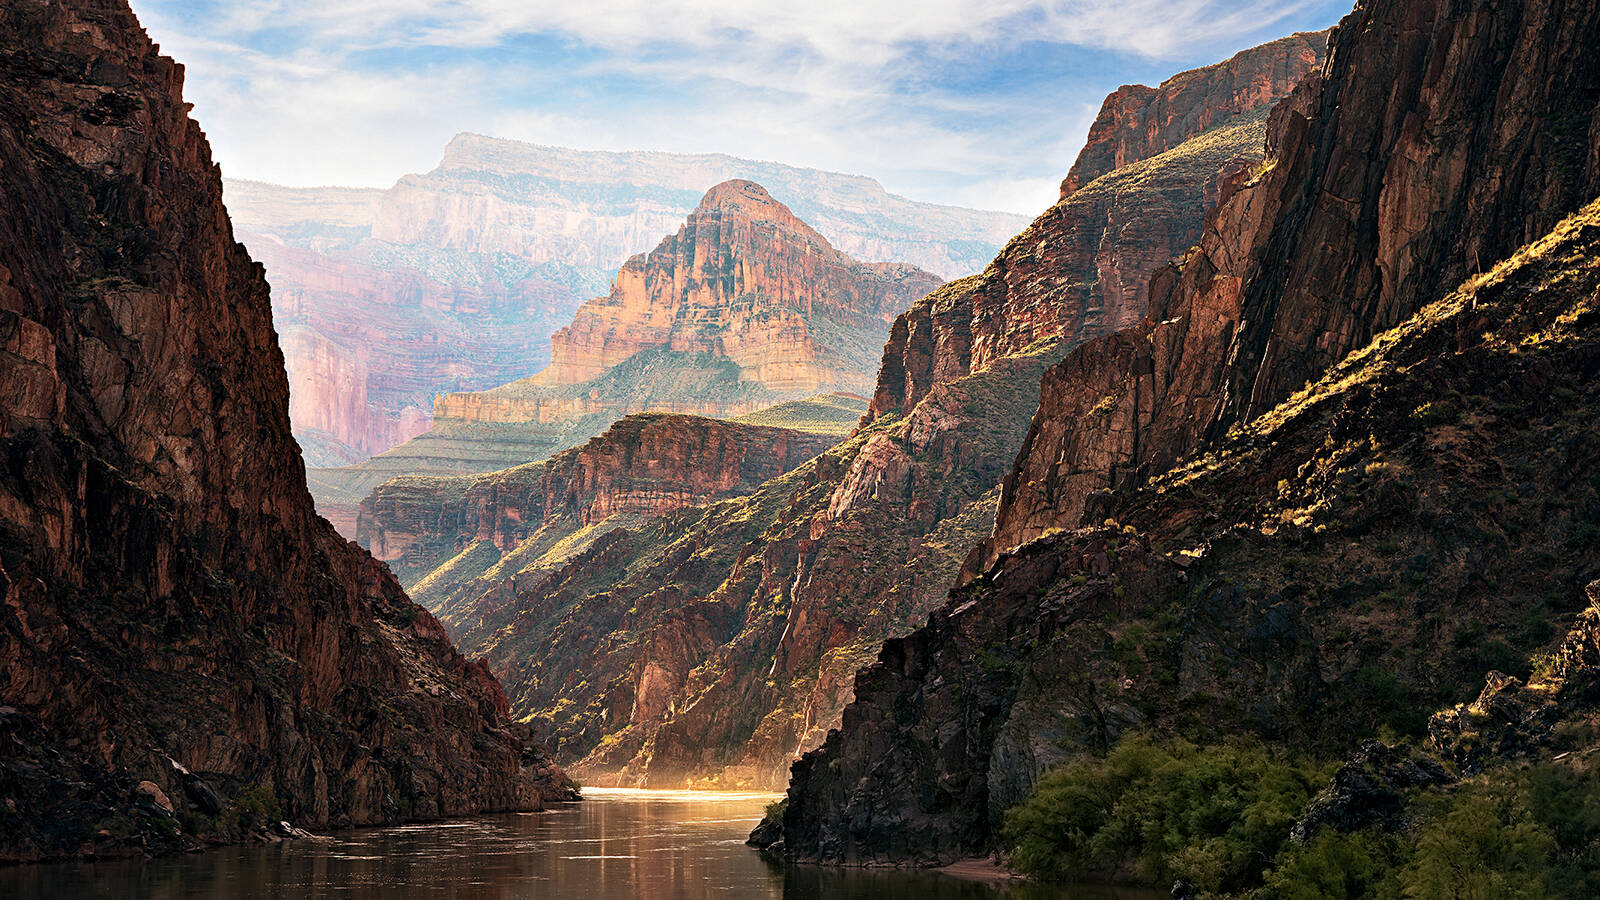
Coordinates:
[720,641]
[453,280]
[1383,192]
[177,622]
[598,208]
[745,279]
[1136,198]
[1315,561]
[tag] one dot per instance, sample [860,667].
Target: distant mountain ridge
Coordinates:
[452,280]
[741,307]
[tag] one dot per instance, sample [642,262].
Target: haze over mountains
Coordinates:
[454,279]
[744,307]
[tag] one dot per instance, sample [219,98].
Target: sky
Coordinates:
[980,103]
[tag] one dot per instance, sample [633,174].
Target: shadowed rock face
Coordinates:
[1384,192]
[1331,540]
[174,611]
[1137,196]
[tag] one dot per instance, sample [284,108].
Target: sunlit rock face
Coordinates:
[178,624]
[1381,194]
[746,280]
[453,280]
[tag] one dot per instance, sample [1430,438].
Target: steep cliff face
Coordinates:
[174,612]
[1383,192]
[745,280]
[1321,557]
[643,466]
[1138,122]
[1136,198]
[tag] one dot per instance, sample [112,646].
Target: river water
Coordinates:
[657,845]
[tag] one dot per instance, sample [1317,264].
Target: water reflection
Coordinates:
[646,844]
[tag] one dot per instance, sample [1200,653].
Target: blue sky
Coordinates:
[974,102]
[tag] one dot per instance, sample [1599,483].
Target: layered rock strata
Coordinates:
[452,280]
[177,622]
[744,307]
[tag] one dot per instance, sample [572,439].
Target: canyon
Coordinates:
[744,307]
[711,644]
[453,280]
[1264,510]
[188,654]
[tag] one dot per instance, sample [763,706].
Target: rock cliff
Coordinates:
[743,278]
[1381,194]
[175,615]
[1314,576]
[1299,566]
[1137,196]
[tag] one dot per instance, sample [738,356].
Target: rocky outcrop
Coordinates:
[1424,511]
[1137,196]
[1383,192]
[179,629]
[643,466]
[743,278]
[1137,122]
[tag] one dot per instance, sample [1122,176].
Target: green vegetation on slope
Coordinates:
[823,414]
[1218,817]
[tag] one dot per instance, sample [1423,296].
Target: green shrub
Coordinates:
[1482,846]
[1212,815]
[1336,866]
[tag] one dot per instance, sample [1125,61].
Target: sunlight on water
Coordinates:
[617,843]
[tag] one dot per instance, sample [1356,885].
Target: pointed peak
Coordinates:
[744,195]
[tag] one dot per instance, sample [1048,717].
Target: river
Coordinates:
[657,845]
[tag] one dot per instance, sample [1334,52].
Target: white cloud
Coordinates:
[340,97]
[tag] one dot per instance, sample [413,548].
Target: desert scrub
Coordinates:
[1211,815]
